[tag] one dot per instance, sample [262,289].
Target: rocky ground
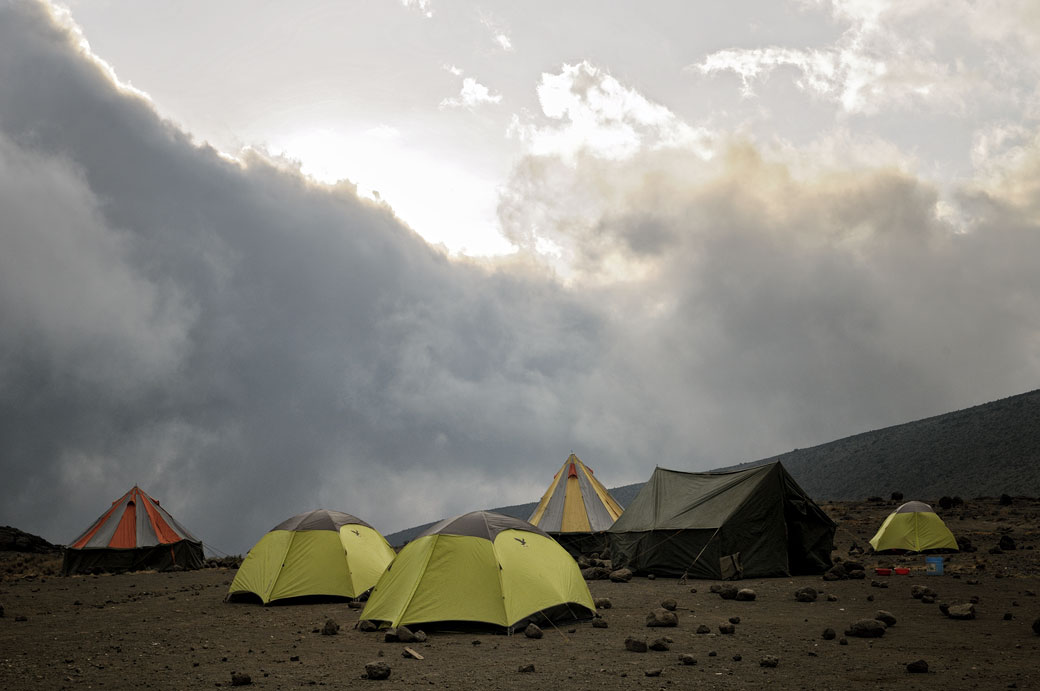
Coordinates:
[173,630]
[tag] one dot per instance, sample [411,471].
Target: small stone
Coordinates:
[367,626]
[650,577]
[636,645]
[595,573]
[1036,627]
[240,679]
[661,617]
[832,598]
[917,667]
[420,636]
[526,669]
[769,661]
[727,628]
[599,623]
[843,641]
[866,628]
[331,628]
[829,634]
[965,611]
[687,659]
[21,617]
[620,575]
[746,595]
[659,644]
[734,620]
[1008,616]
[656,672]
[377,670]
[712,653]
[870,598]
[885,616]
[703,628]
[738,657]
[728,592]
[390,636]
[602,603]
[405,635]
[669,604]
[533,631]
[806,594]
[928,599]
[693,590]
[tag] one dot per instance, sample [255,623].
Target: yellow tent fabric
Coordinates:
[484,568]
[913,527]
[576,502]
[327,553]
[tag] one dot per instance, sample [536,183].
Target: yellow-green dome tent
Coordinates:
[480,568]
[913,527]
[327,553]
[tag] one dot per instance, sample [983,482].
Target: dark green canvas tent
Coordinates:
[746,523]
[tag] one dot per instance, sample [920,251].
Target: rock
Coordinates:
[1005,500]
[687,659]
[832,598]
[636,645]
[420,636]
[533,631]
[965,611]
[917,667]
[928,599]
[870,598]
[669,604]
[829,634]
[734,620]
[851,566]
[621,575]
[1036,627]
[526,669]
[583,562]
[728,592]
[727,628]
[367,626]
[1007,543]
[405,635]
[659,644]
[806,594]
[650,576]
[714,588]
[240,679]
[390,636]
[857,575]
[21,617]
[945,502]
[1008,616]
[769,661]
[712,653]
[887,617]
[377,670]
[703,628]
[599,623]
[738,657]
[746,595]
[661,617]
[944,608]
[835,573]
[843,641]
[866,628]
[897,496]
[595,573]
[919,591]
[653,672]
[331,628]
[602,603]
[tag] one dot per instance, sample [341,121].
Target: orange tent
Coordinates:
[135,533]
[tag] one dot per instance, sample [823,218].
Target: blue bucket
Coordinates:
[933,566]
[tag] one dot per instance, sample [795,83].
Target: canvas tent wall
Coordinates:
[913,527]
[480,569]
[318,553]
[748,523]
[576,509]
[136,533]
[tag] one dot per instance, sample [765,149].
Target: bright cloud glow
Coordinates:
[473,94]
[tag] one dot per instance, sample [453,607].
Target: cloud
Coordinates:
[247,344]
[473,94]
[903,56]
[499,35]
[424,7]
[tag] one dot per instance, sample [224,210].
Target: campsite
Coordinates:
[163,630]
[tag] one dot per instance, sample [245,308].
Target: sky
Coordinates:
[401,258]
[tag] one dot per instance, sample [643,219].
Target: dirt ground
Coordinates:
[173,630]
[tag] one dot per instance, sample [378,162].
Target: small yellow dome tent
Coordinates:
[326,553]
[913,527]
[576,509]
[480,568]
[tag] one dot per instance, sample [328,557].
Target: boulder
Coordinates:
[659,644]
[728,592]
[746,595]
[636,645]
[917,667]
[884,616]
[377,670]
[621,575]
[661,617]
[866,628]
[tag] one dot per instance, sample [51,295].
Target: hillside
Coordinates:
[986,450]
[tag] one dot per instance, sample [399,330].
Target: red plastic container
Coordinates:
[884,572]
[902,571]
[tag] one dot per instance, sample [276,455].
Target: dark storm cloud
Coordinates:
[246,345]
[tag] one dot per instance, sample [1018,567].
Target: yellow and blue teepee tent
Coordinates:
[913,527]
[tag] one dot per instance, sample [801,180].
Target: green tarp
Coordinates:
[746,523]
